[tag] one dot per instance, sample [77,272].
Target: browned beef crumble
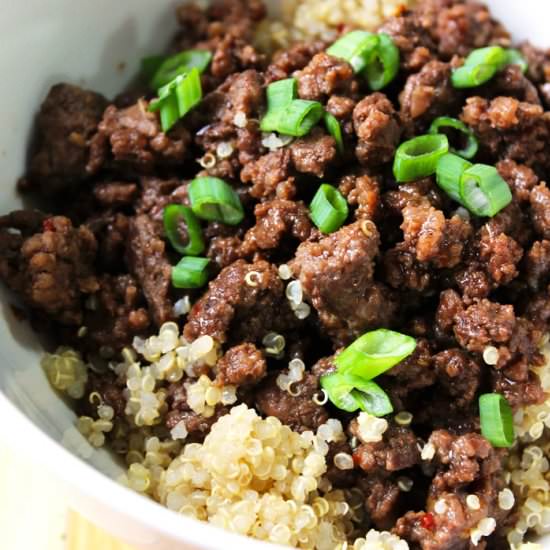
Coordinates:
[407,258]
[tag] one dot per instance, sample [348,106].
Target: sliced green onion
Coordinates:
[515,57]
[179,64]
[279,95]
[470,150]
[472,76]
[483,191]
[417,158]
[496,418]
[150,65]
[177,98]
[479,67]
[214,200]
[374,353]
[349,393]
[356,47]
[339,391]
[384,65]
[328,208]
[190,272]
[173,216]
[448,173]
[299,117]
[334,129]
[370,396]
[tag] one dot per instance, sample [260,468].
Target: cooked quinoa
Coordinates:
[298,20]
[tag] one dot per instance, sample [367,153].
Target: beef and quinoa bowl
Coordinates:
[303,294]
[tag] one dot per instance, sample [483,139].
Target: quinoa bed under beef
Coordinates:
[243,357]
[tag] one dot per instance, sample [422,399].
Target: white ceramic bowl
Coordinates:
[99,44]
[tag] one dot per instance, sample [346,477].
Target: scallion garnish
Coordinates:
[483,191]
[177,98]
[168,68]
[214,200]
[150,65]
[176,215]
[356,47]
[349,393]
[417,158]
[496,418]
[470,149]
[448,173]
[299,117]
[190,272]
[515,57]
[286,114]
[328,208]
[481,65]
[384,65]
[374,353]
[334,129]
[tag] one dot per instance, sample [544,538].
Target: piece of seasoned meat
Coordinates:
[242,365]
[133,136]
[276,221]
[299,412]
[325,75]
[67,120]
[244,302]
[147,261]
[427,95]
[377,127]
[336,274]
[363,191]
[314,153]
[50,266]
[115,193]
[270,175]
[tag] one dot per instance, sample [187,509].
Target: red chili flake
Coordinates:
[48,225]
[340,28]
[356,458]
[427,521]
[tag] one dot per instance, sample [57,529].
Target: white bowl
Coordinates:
[98,44]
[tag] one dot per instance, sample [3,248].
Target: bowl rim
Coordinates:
[91,482]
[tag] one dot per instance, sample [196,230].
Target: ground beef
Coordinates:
[146,257]
[340,478]
[415,44]
[111,233]
[133,136]
[417,192]
[336,276]
[427,95]
[382,499]
[467,461]
[117,313]
[286,62]
[51,267]
[67,120]
[377,128]
[313,153]
[233,310]
[223,251]
[362,191]
[242,365]
[298,412]
[540,209]
[500,255]
[520,178]
[458,375]
[323,76]
[433,238]
[342,107]
[115,193]
[276,221]
[459,27]
[270,175]
[111,391]
[537,264]
[402,270]
[511,82]
[397,451]
[508,128]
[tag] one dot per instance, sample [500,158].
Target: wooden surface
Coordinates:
[33,516]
